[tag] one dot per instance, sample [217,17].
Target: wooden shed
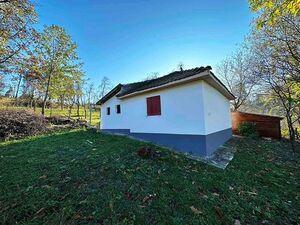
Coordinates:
[267,126]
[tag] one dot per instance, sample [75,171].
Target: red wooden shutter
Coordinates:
[149,110]
[153,106]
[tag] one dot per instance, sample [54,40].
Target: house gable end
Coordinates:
[110,94]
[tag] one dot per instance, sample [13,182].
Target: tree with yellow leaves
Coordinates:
[270,10]
[277,59]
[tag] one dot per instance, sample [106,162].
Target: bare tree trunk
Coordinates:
[90,114]
[62,102]
[17,91]
[50,109]
[34,105]
[84,107]
[70,109]
[291,131]
[31,99]
[46,95]
[78,107]
[49,102]
[78,114]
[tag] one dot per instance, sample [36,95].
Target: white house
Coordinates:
[186,110]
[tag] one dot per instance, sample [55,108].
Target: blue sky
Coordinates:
[126,40]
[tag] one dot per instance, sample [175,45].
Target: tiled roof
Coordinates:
[126,89]
[174,76]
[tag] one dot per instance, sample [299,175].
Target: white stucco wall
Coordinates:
[183,111]
[217,115]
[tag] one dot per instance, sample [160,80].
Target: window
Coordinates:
[118,109]
[108,110]
[153,106]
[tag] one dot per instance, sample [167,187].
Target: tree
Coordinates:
[277,56]
[57,56]
[236,73]
[90,91]
[33,79]
[78,87]
[23,70]
[63,89]
[262,102]
[16,30]
[152,76]
[284,41]
[271,10]
[104,87]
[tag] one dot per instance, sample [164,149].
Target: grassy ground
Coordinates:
[81,177]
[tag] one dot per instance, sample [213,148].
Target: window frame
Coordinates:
[108,111]
[152,108]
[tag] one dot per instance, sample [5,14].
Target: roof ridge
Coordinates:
[171,73]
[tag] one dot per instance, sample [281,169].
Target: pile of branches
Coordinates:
[17,124]
[56,120]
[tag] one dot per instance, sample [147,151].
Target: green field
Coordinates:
[83,177]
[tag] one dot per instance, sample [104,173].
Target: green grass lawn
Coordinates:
[82,177]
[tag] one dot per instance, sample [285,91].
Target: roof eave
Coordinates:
[220,86]
[110,94]
[215,82]
[259,114]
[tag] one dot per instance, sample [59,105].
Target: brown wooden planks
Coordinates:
[268,126]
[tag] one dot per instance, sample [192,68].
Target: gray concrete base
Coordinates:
[198,145]
[215,140]
[220,158]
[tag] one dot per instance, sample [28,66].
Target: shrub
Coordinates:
[248,129]
[15,124]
